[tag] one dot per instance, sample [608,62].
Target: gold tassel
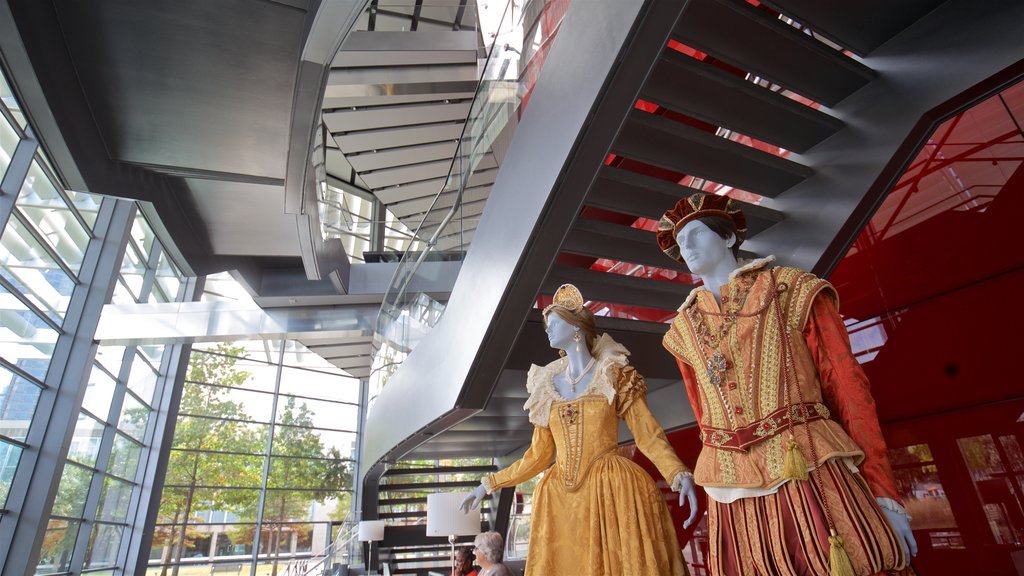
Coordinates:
[838,561]
[794,467]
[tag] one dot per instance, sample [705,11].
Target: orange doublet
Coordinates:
[750,404]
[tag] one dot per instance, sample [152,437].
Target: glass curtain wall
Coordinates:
[113,431]
[261,464]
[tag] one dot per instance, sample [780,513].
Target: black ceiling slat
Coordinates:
[860,26]
[749,38]
[600,239]
[626,192]
[710,94]
[617,288]
[681,148]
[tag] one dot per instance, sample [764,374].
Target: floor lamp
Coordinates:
[371,531]
[444,518]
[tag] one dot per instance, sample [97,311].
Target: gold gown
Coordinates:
[595,513]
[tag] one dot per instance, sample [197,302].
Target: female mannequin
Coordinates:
[594,512]
[793,463]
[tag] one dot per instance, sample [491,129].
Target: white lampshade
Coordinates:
[444,518]
[371,530]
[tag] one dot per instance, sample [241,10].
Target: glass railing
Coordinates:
[446,229]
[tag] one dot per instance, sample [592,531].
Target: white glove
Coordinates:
[683,483]
[900,523]
[474,499]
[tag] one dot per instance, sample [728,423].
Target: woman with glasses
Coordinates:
[488,551]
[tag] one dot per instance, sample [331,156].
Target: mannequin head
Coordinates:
[706,242]
[561,325]
[720,214]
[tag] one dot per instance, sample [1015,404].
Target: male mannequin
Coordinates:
[785,411]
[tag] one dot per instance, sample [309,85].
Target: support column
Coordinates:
[142,513]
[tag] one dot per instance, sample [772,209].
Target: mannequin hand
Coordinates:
[683,483]
[473,500]
[901,526]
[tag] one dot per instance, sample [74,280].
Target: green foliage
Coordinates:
[218,451]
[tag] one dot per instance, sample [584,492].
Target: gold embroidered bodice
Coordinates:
[584,430]
[578,433]
[747,397]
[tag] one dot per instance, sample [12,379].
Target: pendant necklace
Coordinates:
[574,381]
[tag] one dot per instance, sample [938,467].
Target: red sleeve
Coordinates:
[692,391]
[847,393]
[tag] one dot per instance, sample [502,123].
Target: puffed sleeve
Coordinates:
[631,406]
[538,457]
[846,390]
[692,389]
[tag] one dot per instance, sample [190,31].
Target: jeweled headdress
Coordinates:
[699,205]
[567,296]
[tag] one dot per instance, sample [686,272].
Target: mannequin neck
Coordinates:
[578,360]
[718,276]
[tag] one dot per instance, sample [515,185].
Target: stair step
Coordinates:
[441,470]
[676,146]
[770,48]
[708,93]
[407,487]
[413,514]
[407,501]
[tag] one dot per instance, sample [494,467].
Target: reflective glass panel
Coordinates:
[168,279]
[214,469]
[309,473]
[88,205]
[58,544]
[25,340]
[205,433]
[9,457]
[133,269]
[124,457]
[85,444]
[9,139]
[115,496]
[110,357]
[43,206]
[18,399]
[316,413]
[10,102]
[329,444]
[320,384]
[134,417]
[33,271]
[142,379]
[104,543]
[142,235]
[219,402]
[99,393]
[74,487]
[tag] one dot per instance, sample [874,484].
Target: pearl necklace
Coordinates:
[574,381]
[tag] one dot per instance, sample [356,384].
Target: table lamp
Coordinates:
[444,518]
[371,531]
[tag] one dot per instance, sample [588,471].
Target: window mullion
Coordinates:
[15,176]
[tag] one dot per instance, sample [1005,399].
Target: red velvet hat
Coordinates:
[699,205]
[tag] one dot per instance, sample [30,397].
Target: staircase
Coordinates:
[403,505]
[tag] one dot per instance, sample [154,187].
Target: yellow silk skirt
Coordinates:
[616,523]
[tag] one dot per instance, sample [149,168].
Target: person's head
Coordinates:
[567,321]
[718,214]
[489,548]
[464,560]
